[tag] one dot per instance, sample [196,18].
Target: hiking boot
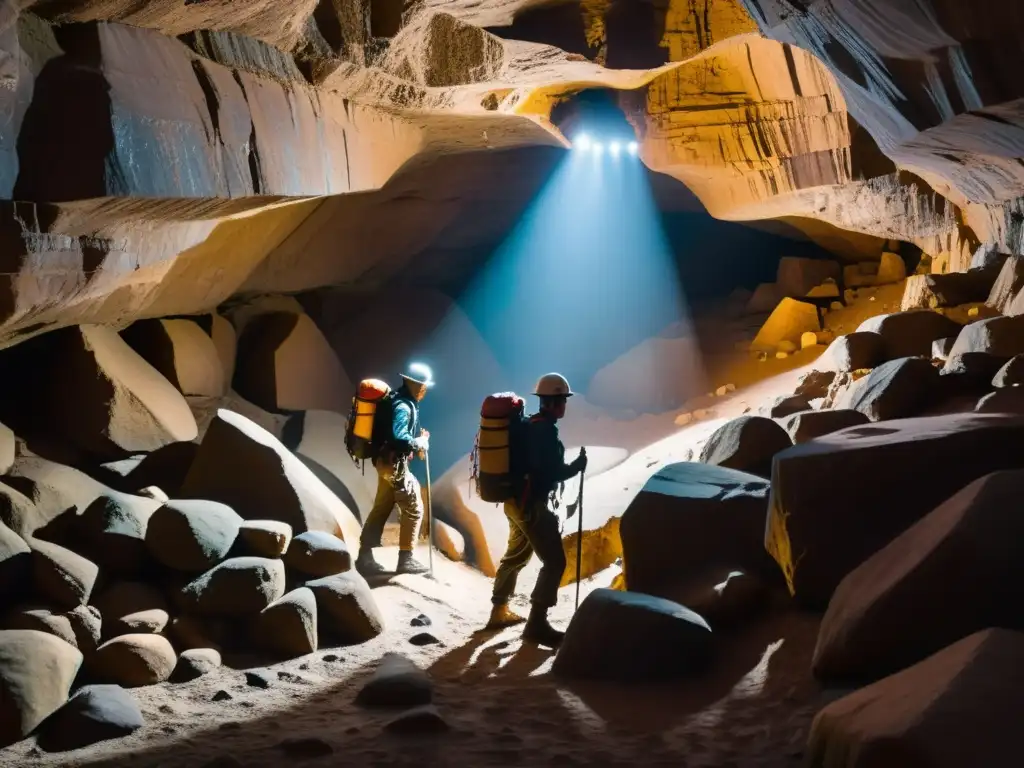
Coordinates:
[502,616]
[407,564]
[368,566]
[540,632]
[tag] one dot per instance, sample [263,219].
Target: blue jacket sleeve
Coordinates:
[401,428]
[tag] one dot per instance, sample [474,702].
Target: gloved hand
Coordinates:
[579,466]
[422,443]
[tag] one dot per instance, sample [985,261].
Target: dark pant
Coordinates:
[395,485]
[533,528]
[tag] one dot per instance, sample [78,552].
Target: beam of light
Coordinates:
[632,148]
[586,275]
[582,142]
[615,148]
[598,148]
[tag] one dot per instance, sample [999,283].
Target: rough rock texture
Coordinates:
[242,465]
[1007,286]
[692,523]
[315,554]
[910,334]
[264,538]
[346,609]
[808,425]
[112,533]
[61,576]
[643,638]
[747,443]
[953,709]
[786,405]
[132,608]
[949,290]
[839,499]
[36,673]
[894,609]
[893,390]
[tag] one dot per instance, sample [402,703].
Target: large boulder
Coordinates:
[807,425]
[909,334]
[287,626]
[998,336]
[242,465]
[746,443]
[891,269]
[797,276]
[36,673]
[786,405]
[957,708]
[631,637]
[95,713]
[108,401]
[948,290]
[41,620]
[284,363]
[112,533]
[192,535]
[316,554]
[240,586]
[837,500]
[852,352]
[958,570]
[15,564]
[53,491]
[970,373]
[317,438]
[264,538]
[60,576]
[789,321]
[893,390]
[691,522]
[165,468]
[133,660]
[182,351]
[1008,285]
[346,610]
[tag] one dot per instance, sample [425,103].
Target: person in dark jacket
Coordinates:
[533,524]
[395,483]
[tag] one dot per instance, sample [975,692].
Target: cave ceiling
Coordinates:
[161,156]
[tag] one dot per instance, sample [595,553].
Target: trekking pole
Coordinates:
[430,516]
[579,542]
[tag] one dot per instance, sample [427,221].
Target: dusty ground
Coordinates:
[504,707]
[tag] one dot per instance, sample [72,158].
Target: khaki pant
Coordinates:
[533,528]
[395,485]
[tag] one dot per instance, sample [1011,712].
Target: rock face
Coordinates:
[182,351]
[192,536]
[894,609]
[747,443]
[242,465]
[999,336]
[693,523]
[643,638]
[952,709]
[284,363]
[837,500]
[797,277]
[1008,285]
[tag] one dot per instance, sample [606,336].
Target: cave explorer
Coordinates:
[395,483]
[533,524]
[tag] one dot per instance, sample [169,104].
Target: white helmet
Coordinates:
[552,385]
[419,373]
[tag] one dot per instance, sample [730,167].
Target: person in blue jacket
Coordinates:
[394,446]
